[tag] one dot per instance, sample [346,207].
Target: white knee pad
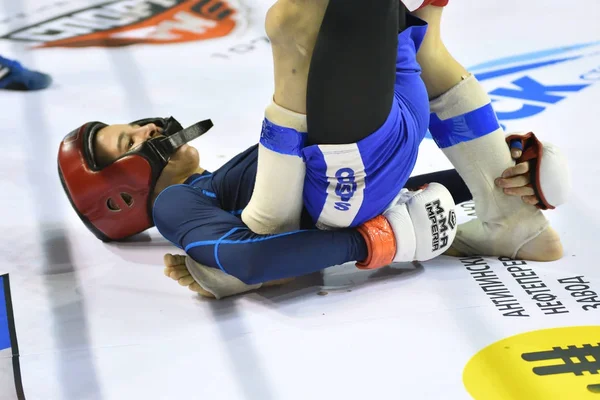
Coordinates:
[286,118]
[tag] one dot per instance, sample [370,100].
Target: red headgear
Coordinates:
[128,181]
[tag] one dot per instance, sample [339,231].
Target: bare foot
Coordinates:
[176,269]
[545,247]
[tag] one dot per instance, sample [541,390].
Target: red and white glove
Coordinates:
[546,168]
[418,226]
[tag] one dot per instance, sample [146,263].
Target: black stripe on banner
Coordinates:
[13,338]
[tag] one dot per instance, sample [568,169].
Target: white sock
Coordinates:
[276,203]
[475,144]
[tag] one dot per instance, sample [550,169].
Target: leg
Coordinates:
[175,268]
[362,40]
[276,204]
[213,283]
[351,81]
[367,111]
[293,27]
[441,72]
[505,225]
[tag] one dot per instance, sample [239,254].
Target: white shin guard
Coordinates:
[276,203]
[504,223]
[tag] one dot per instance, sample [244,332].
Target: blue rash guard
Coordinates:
[203,217]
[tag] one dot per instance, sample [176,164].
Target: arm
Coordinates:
[218,239]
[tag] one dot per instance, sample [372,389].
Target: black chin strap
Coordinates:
[166,146]
[188,134]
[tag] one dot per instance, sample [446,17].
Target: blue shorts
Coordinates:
[347,185]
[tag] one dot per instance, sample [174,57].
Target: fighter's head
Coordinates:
[112,173]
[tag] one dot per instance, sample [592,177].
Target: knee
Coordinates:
[289,21]
[280,20]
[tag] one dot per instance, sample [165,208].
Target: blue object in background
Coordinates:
[4,330]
